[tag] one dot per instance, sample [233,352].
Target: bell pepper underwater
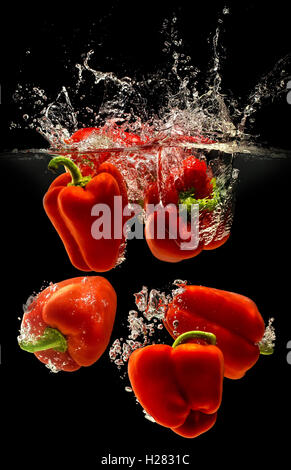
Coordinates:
[68,325]
[233,318]
[180,386]
[190,184]
[68,204]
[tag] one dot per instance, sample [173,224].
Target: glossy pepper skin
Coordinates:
[68,325]
[68,204]
[190,184]
[233,318]
[179,386]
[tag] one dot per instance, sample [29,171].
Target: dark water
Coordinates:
[87,414]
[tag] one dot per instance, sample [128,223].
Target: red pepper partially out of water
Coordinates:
[114,133]
[96,141]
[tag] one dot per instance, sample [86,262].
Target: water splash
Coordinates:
[267,343]
[160,106]
[145,323]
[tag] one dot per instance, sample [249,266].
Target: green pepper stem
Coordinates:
[51,339]
[208,203]
[206,336]
[77,178]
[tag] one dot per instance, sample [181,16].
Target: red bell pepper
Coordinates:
[113,133]
[233,318]
[191,184]
[68,203]
[179,386]
[68,325]
[128,139]
[96,141]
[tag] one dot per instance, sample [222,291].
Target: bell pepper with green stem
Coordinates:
[68,325]
[180,386]
[233,318]
[68,204]
[190,184]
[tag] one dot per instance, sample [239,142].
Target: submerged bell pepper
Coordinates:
[233,318]
[190,184]
[180,386]
[68,325]
[68,204]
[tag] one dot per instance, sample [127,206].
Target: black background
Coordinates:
[80,417]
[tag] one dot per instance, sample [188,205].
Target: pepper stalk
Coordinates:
[204,335]
[77,178]
[51,339]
